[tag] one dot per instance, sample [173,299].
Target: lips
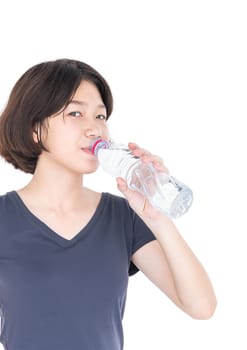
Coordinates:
[87,150]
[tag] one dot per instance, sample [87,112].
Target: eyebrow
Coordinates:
[81,103]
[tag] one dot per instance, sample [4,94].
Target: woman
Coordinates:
[65,250]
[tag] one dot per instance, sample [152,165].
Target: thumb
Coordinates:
[133,197]
[122,186]
[136,200]
[124,189]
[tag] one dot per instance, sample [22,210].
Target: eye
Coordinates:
[101,117]
[75,114]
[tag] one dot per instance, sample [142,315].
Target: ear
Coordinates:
[36,133]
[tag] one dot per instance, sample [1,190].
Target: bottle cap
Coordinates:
[98,144]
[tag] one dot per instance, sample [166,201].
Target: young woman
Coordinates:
[66,251]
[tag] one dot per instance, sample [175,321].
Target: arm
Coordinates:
[168,262]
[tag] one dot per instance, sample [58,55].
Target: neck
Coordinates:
[55,187]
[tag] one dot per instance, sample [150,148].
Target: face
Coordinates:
[70,133]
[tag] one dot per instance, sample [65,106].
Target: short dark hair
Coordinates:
[42,91]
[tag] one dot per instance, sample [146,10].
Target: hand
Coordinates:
[138,202]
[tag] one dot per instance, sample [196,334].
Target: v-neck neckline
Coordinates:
[49,232]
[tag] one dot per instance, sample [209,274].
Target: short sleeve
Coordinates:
[141,236]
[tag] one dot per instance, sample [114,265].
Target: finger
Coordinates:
[139,152]
[147,157]
[124,189]
[121,184]
[135,199]
[132,145]
[161,168]
[151,158]
[137,149]
[156,161]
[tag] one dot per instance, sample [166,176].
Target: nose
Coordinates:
[92,130]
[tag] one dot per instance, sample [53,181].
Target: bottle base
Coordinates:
[181,203]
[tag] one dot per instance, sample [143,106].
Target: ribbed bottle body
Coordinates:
[162,190]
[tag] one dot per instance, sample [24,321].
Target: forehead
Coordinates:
[87,91]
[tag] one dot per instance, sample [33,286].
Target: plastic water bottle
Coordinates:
[163,191]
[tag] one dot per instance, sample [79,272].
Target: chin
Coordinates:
[88,169]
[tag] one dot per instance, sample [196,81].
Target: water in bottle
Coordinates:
[162,190]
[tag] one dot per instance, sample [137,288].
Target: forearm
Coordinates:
[193,287]
[189,284]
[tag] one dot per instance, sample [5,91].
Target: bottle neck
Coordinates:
[98,144]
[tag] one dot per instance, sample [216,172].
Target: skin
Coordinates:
[56,195]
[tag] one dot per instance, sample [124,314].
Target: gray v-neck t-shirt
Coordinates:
[59,294]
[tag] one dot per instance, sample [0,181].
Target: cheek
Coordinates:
[105,132]
[56,139]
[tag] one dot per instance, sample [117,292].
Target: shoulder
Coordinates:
[3,200]
[5,212]
[116,203]
[7,205]
[115,210]
[107,201]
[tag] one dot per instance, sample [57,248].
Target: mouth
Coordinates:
[88,151]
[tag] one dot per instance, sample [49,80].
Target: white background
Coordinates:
[178,74]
